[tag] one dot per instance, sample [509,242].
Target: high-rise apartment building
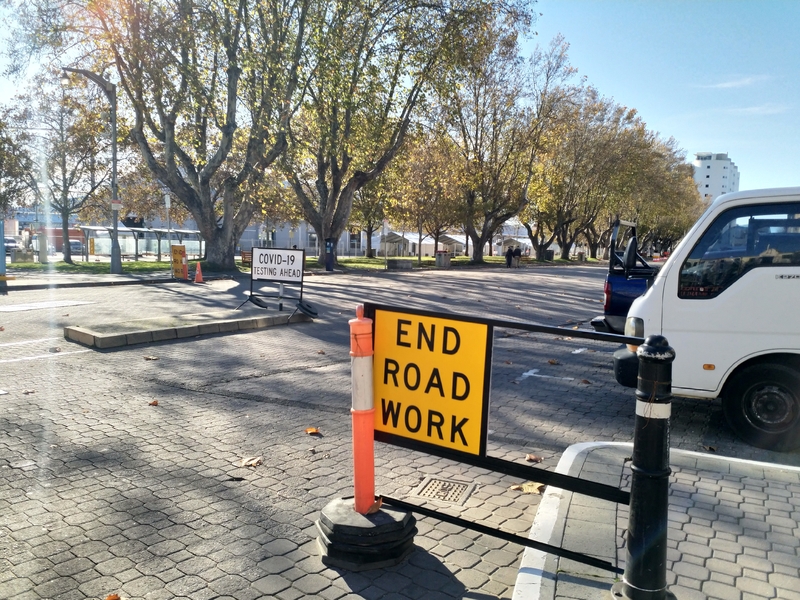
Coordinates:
[714,175]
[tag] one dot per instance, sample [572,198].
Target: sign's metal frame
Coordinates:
[482,460]
[255,297]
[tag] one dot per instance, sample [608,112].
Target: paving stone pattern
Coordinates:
[733,529]
[100,492]
[104,493]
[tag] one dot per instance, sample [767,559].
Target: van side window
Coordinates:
[739,240]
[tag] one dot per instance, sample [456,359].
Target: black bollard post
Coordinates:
[645,576]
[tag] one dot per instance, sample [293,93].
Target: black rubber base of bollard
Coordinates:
[355,542]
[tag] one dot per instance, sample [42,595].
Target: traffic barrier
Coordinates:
[362,411]
[357,533]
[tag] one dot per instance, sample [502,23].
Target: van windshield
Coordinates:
[739,240]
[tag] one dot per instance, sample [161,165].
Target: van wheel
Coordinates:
[762,405]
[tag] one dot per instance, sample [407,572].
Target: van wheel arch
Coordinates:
[761,402]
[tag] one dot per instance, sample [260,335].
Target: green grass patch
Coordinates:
[91,268]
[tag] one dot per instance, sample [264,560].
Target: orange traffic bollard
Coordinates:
[362,411]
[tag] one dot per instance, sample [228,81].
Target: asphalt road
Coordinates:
[547,391]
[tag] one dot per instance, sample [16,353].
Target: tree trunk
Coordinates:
[419,244]
[324,234]
[220,250]
[369,230]
[65,247]
[478,242]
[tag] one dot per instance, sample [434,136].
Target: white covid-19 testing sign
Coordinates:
[277,264]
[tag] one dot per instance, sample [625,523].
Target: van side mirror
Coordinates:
[629,258]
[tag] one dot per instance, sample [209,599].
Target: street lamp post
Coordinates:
[110,90]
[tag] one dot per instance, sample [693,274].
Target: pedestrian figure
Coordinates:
[509,257]
[517,255]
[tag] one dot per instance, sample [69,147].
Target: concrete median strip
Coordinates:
[158,329]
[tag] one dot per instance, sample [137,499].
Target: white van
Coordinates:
[728,302]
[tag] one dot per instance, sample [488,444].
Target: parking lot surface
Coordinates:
[121,470]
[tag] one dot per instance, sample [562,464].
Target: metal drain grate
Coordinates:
[447,491]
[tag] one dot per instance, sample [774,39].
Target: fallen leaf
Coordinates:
[154,403]
[508,362]
[312,431]
[28,391]
[533,458]
[586,381]
[553,361]
[320,351]
[252,461]
[151,358]
[376,506]
[113,597]
[54,349]
[529,487]
[2,328]
[710,448]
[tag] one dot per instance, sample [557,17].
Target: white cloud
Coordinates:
[736,83]
[761,110]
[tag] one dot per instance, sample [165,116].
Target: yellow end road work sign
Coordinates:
[431,379]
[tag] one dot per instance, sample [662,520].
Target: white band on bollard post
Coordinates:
[651,410]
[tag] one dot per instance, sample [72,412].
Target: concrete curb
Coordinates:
[147,331]
[50,284]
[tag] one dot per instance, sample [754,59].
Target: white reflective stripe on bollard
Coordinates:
[651,410]
[361,368]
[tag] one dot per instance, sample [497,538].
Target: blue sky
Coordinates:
[718,76]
